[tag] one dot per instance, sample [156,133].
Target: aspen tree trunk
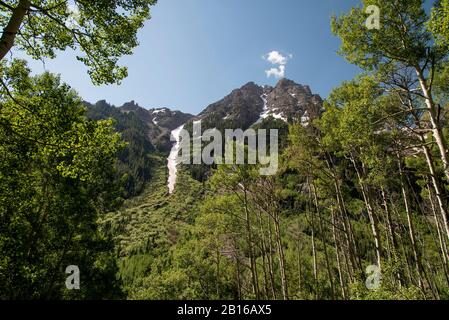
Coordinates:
[270,261]
[273,211]
[411,227]
[437,132]
[389,242]
[12,28]
[349,234]
[337,255]
[299,259]
[299,273]
[281,258]
[442,243]
[326,256]
[237,266]
[348,265]
[264,253]
[438,191]
[401,245]
[370,210]
[354,261]
[391,234]
[429,160]
[253,266]
[432,285]
[430,280]
[218,273]
[315,268]
[312,225]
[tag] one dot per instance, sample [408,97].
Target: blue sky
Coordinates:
[194,52]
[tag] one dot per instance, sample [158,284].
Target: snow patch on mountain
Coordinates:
[279,116]
[305,119]
[173,158]
[266,112]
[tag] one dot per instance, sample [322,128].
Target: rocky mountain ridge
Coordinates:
[252,104]
[244,107]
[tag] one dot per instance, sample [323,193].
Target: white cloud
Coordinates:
[277,58]
[276,72]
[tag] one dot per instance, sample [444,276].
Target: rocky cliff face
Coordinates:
[167,118]
[253,104]
[293,102]
[160,117]
[156,124]
[242,108]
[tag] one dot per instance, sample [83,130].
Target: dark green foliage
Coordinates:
[56,179]
[134,161]
[101,31]
[146,229]
[364,185]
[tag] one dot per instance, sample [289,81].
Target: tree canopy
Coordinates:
[100,31]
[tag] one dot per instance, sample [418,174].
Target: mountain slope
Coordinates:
[251,104]
[147,226]
[143,136]
[149,130]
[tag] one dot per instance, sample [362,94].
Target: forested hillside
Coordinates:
[133,164]
[361,195]
[57,167]
[143,135]
[358,208]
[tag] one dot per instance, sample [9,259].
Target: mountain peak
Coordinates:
[251,103]
[284,82]
[249,85]
[131,105]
